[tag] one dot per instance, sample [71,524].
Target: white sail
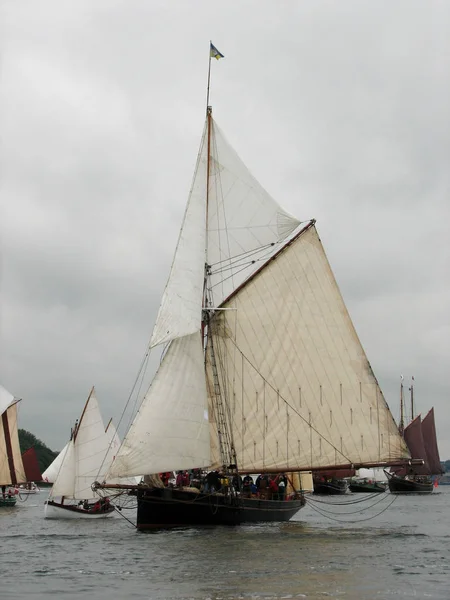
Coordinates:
[91,446]
[245,226]
[179,313]
[64,482]
[291,370]
[6,399]
[301,390]
[11,466]
[113,448]
[51,472]
[83,458]
[171,429]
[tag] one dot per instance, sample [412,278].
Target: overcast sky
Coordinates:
[340,109]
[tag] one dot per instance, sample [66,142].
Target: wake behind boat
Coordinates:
[262,371]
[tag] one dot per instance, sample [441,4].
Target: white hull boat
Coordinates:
[54,510]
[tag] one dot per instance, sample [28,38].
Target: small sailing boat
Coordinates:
[75,469]
[12,472]
[262,371]
[420,437]
[32,473]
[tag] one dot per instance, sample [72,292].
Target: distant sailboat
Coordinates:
[80,464]
[262,370]
[32,473]
[420,437]
[12,471]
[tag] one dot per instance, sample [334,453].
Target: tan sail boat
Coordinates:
[262,370]
[11,466]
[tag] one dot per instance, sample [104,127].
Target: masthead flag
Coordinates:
[214,53]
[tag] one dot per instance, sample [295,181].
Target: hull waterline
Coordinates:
[55,510]
[165,507]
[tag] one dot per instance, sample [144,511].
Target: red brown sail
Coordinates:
[31,465]
[430,443]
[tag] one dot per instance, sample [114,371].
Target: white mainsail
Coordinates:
[11,466]
[290,368]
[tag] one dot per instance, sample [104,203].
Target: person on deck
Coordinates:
[273,488]
[282,485]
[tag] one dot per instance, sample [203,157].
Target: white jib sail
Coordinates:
[51,472]
[301,390]
[171,429]
[64,482]
[113,449]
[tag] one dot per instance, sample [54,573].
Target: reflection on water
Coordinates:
[402,553]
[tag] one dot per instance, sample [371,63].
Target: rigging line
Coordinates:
[352,520]
[124,517]
[290,406]
[240,263]
[263,258]
[378,500]
[245,254]
[362,498]
[242,260]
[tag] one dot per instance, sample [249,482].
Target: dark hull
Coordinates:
[399,485]
[168,507]
[330,487]
[366,488]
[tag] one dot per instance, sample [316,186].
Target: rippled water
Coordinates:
[328,551]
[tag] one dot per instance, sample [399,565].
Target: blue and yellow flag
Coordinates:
[214,53]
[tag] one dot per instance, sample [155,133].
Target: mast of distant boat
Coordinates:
[411,389]
[401,425]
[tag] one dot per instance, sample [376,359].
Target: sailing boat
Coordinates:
[262,371]
[81,462]
[32,473]
[11,466]
[420,437]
